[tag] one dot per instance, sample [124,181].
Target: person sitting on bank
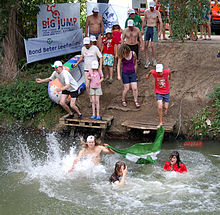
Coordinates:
[120,173]
[175,164]
[70,87]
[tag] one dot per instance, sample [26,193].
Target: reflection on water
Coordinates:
[34,180]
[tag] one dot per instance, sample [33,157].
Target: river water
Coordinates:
[34,180]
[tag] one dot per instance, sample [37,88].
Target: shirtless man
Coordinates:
[131,35]
[151,17]
[91,150]
[94,26]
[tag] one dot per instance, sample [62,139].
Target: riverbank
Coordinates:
[195,71]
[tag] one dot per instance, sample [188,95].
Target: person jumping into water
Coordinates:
[175,163]
[92,150]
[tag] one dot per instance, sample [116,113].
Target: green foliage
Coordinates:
[24,99]
[199,125]
[184,14]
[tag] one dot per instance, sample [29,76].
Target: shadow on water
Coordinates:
[34,179]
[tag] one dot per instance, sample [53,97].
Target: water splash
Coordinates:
[148,189]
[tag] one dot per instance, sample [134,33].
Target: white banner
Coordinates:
[111,14]
[58,18]
[52,46]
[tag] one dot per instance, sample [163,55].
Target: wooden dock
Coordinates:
[86,122]
[147,126]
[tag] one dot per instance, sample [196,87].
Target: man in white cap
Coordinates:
[94,26]
[151,17]
[162,89]
[137,20]
[93,40]
[89,53]
[70,87]
[131,35]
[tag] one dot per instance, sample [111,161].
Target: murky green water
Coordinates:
[34,180]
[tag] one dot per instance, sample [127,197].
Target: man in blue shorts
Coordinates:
[162,89]
[151,17]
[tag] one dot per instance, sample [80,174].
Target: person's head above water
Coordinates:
[175,158]
[119,167]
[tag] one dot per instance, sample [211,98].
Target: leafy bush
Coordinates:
[23,99]
[207,121]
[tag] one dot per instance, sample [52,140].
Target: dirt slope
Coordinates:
[195,70]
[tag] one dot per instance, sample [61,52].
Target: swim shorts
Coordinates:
[108,59]
[151,33]
[129,77]
[95,34]
[163,97]
[134,48]
[73,94]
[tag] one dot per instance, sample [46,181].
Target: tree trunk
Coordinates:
[12,48]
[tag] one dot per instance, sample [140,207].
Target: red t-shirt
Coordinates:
[175,168]
[109,45]
[117,35]
[161,82]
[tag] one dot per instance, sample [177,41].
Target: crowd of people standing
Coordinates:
[117,49]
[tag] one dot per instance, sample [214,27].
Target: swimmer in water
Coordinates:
[175,163]
[120,171]
[91,150]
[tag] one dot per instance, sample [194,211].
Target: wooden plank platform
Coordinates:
[147,126]
[88,123]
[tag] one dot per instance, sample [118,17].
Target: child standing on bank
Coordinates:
[95,77]
[109,46]
[128,59]
[116,33]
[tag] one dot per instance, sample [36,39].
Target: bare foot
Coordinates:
[160,125]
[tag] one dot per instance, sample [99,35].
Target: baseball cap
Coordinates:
[130,11]
[86,40]
[92,38]
[57,64]
[130,22]
[90,138]
[95,10]
[159,68]
[95,64]
[151,4]
[108,30]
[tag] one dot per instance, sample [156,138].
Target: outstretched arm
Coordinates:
[148,75]
[107,150]
[76,160]
[39,80]
[79,61]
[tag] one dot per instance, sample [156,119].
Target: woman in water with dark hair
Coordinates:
[175,163]
[120,170]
